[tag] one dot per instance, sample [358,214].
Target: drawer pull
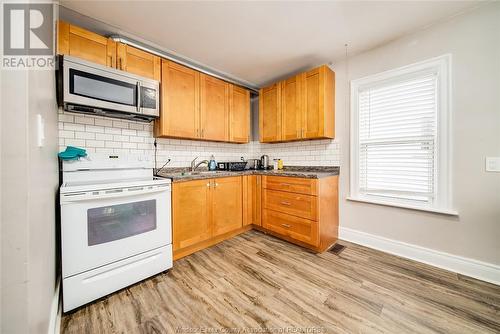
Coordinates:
[286,225]
[286,184]
[286,203]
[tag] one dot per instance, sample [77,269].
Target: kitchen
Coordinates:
[202,188]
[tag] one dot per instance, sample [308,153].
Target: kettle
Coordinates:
[264,161]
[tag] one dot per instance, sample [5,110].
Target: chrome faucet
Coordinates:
[195,165]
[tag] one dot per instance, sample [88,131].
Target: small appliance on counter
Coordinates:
[253,164]
[232,165]
[264,162]
[115,225]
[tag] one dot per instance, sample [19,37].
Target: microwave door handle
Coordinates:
[139,96]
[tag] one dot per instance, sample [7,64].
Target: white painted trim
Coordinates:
[477,269]
[441,66]
[55,311]
[404,206]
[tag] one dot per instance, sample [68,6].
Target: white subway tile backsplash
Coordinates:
[120,124]
[84,120]
[105,135]
[85,135]
[92,128]
[103,122]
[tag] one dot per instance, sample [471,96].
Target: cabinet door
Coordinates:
[318,99]
[239,114]
[180,97]
[78,42]
[227,210]
[255,186]
[270,114]
[291,110]
[138,62]
[252,200]
[214,108]
[191,213]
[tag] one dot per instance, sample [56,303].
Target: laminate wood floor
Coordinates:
[256,281]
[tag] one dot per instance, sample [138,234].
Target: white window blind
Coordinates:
[397,138]
[400,137]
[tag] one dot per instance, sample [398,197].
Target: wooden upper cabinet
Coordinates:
[319,98]
[214,107]
[227,205]
[239,114]
[298,108]
[191,209]
[180,96]
[270,114]
[138,62]
[291,103]
[78,42]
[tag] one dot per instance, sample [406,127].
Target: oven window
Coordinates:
[109,223]
[102,88]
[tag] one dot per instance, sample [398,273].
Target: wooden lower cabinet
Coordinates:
[191,211]
[205,212]
[300,210]
[252,200]
[227,205]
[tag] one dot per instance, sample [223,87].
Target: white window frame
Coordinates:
[442,173]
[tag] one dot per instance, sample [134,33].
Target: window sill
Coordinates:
[404,206]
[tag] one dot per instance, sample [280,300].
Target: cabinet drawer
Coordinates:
[294,227]
[291,184]
[305,206]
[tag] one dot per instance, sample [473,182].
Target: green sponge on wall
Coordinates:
[72,153]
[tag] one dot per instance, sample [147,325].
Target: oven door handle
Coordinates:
[110,193]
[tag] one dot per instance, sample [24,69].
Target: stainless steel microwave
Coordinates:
[89,88]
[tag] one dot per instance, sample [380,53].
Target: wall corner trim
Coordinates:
[477,269]
[55,311]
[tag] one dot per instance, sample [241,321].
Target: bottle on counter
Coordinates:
[280,164]
[275,164]
[212,165]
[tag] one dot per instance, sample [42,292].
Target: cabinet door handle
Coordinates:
[286,203]
[202,132]
[286,225]
[120,63]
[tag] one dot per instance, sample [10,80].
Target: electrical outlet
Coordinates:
[493,164]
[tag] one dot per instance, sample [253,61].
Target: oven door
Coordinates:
[114,225]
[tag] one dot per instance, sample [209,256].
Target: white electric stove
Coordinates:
[115,225]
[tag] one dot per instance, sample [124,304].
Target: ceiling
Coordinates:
[259,42]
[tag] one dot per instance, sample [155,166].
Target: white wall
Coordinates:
[29,178]
[473,39]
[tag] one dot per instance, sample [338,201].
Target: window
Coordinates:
[399,136]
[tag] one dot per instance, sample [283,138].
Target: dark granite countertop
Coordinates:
[310,172]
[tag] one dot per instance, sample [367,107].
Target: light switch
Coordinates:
[493,164]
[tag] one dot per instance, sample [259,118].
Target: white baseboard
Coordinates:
[481,270]
[55,311]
